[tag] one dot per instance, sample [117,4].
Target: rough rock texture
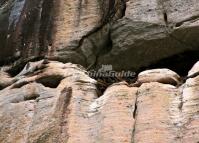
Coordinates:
[47,48]
[153,30]
[55,29]
[49,101]
[159,75]
[91,32]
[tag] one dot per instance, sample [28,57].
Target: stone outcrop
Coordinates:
[159,75]
[49,101]
[48,47]
[54,29]
[151,31]
[138,32]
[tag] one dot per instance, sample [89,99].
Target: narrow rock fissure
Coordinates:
[107,49]
[135,112]
[165,18]
[79,11]
[104,21]
[181,101]
[193,18]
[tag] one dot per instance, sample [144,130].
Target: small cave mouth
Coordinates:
[180,63]
[51,81]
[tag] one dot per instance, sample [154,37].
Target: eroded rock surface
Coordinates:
[49,101]
[53,29]
[91,32]
[159,75]
[54,100]
[153,30]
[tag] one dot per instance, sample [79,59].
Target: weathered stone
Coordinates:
[190,108]
[140,44]
[43,100]
[113,114]
[165,76]
[152,31]
[92,33]
[55,102]
[49,101]
[153,119]
[6,80]
[53,29]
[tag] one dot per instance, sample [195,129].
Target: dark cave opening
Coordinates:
[51,81]
[180,63]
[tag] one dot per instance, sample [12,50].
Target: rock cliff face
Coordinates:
[33,29]
[138,32]
[51,102]
[48,48]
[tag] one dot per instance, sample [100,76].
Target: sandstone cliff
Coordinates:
[48,47]
[54,102]
[93,32]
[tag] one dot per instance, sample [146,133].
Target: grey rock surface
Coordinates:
[135,33]
[151,31]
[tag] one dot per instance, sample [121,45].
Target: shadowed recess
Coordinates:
[51,81]
[180,63]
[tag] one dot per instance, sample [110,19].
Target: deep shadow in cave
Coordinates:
[51,81]
[180,63]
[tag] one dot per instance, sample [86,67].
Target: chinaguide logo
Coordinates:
[107,71]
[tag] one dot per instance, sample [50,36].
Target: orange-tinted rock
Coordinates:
[153,120]
[113,112]
[190,108]
[49,101]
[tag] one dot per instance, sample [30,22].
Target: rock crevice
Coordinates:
[73,112]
